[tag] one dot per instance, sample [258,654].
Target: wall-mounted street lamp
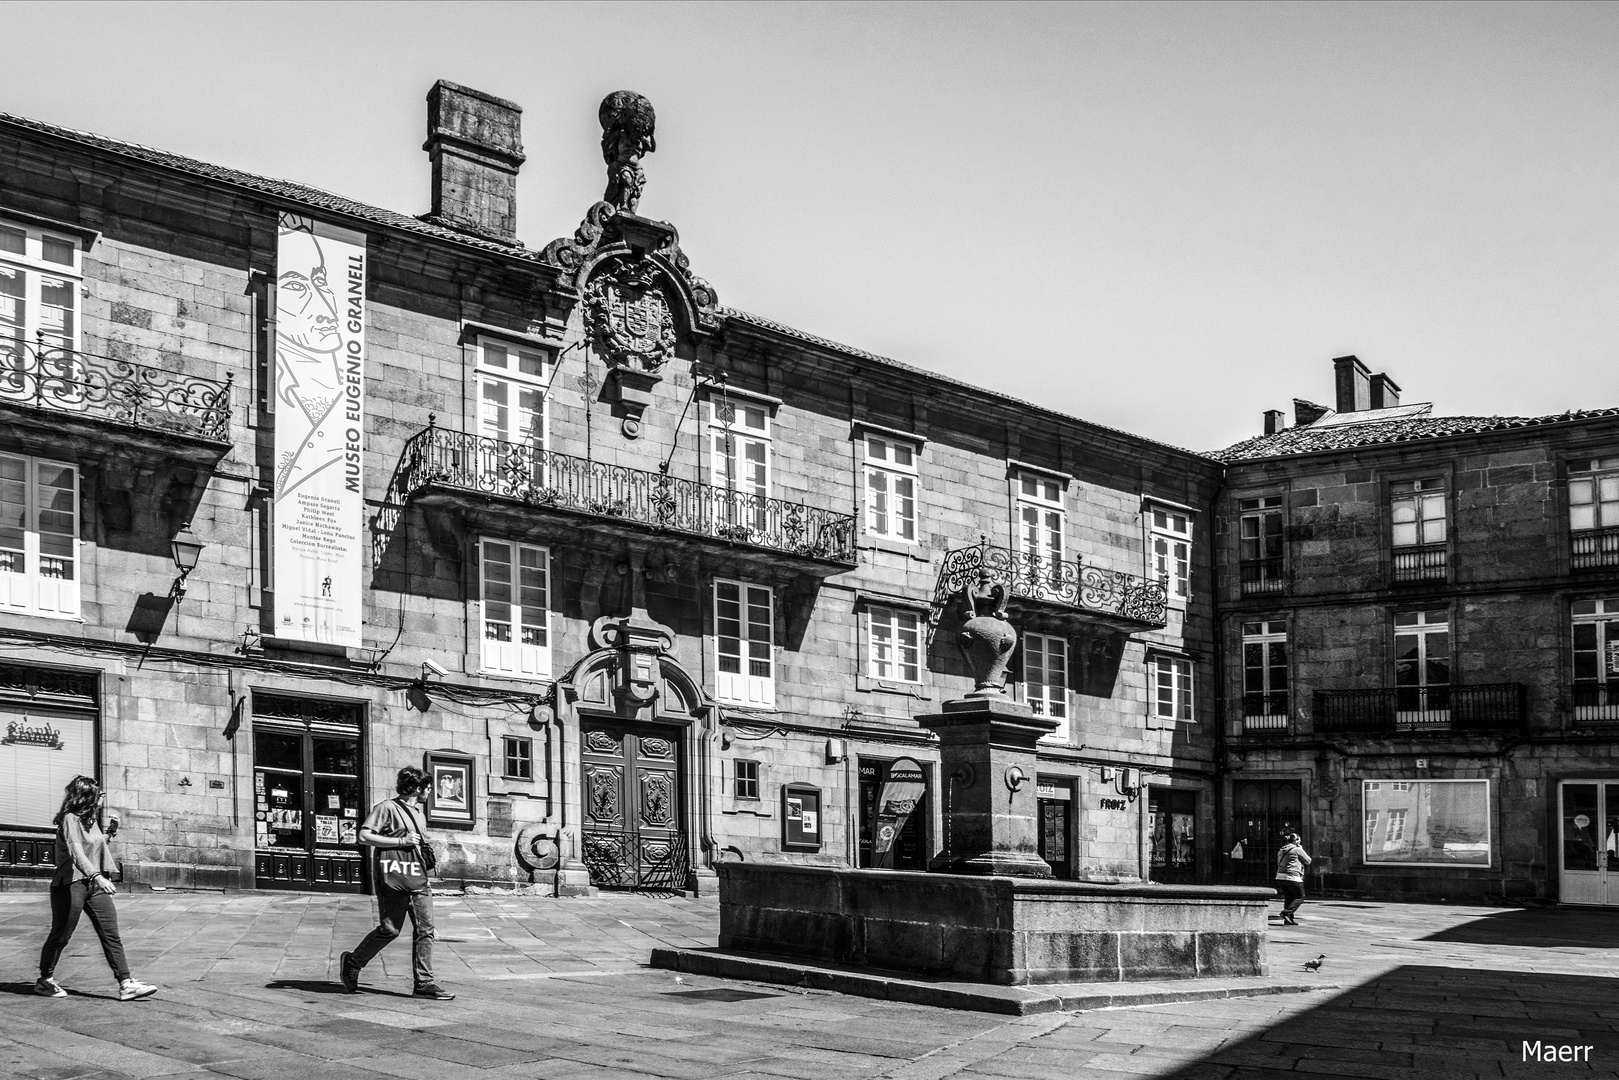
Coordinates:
[187,549]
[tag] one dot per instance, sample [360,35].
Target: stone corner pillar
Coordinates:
[987,766]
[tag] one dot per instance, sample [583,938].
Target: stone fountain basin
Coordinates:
[1003,930]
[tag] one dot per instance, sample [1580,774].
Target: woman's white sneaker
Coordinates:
[49,988]
[133,989]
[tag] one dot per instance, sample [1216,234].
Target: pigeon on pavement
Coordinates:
[1314,965]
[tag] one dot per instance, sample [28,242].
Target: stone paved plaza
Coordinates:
[559,989]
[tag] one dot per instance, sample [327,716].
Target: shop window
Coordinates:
[1427,822]
[515,584]
[518,757]
[1172,822]
[745,783]
[308,793]
[744,643]
[1170,546]
[39,531]
[893,815]
[891,488]
[800,818]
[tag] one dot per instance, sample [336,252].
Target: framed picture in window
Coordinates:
[800,818]
[451,792]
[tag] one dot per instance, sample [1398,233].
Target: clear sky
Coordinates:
[1164,218]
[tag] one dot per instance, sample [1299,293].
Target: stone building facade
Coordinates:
[646,583]
[1415,620]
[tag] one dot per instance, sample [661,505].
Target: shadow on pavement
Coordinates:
[26,988]
[316,986]
[1435,1021]
[1539,928]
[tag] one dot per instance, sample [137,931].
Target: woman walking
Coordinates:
[1290,864]
[82,884]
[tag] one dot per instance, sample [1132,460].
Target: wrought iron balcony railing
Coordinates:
[1265,713]
[1421,710]
[1594,547]
[1260,577]
[1028,576]
[543,478]
[1596,702]
[68,381]
[1426,563]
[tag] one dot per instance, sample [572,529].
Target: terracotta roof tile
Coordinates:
[1342,436]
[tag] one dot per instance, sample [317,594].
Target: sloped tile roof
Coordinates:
[281,189]
[1342,436]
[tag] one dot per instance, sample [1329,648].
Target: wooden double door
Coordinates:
[634,800]
[1262,810]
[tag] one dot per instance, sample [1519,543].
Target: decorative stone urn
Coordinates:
[986,638]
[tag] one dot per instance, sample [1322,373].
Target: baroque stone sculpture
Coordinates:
[627,123]
[986,638]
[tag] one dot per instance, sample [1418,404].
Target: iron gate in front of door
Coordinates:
[632,833]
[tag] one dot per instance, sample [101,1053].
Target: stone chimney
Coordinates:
[1275,420]
[475,142]
[1307,412]
[1385,394]
[1354,384]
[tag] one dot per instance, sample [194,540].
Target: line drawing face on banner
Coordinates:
[319,429]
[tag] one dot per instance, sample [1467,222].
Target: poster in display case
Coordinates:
[801,817]
[451,794]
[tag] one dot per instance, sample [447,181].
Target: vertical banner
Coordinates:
[319,429]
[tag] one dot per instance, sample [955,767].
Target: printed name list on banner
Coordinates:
[319,424]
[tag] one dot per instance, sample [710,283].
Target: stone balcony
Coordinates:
[1069,592]
[522,482]
[54,397]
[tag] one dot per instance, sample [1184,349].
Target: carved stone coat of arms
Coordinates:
[630,320]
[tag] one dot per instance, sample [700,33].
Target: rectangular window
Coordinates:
[1422,667]
[1041,523]
[891,488]
[39,317]
[747,779]
[39,537]
[1428,823]
[1595,633]
[1172,688]
[516,609]
[739,437]
[895,645]
[1259,527]
[1593,511]
[1171,547]
[512,384]
[519,755]
[1265,702]
[1045,679]
[744,639]
[1417,513]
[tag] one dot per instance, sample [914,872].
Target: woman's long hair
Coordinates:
[82,795]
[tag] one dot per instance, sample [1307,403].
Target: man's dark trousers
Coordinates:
[393,905]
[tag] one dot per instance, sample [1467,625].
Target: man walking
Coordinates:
[397,830]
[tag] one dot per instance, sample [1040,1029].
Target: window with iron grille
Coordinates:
[1265,700]
[39,291]
[519,755]
[1422,662]
[1259,527]
[1595,633]
[1041,521]
[1593,511]
[1419,528]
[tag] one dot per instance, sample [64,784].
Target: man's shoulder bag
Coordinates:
[404,869]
